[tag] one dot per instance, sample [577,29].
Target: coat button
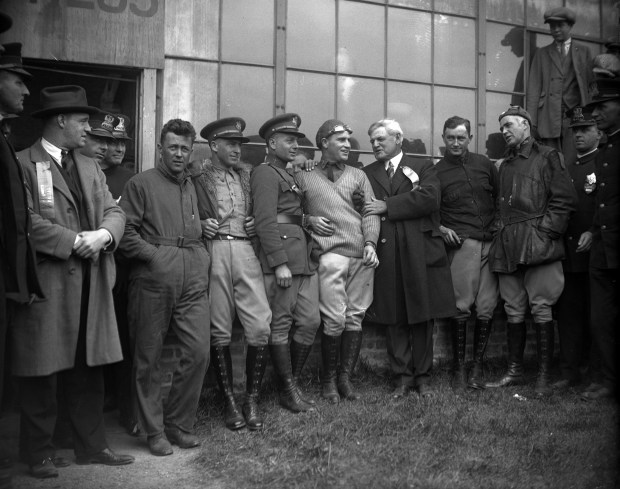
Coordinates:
[602,184]
[72,270]
[570,238]
[602,205]
[383,240]
[385,197]
[383,218]
[284,237]
[604,164]
[603,226]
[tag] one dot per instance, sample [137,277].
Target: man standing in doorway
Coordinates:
[412,282]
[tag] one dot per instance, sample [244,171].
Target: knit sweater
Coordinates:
[334,201]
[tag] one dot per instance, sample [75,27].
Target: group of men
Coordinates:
[399,242]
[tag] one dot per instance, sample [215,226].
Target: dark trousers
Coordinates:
[410,352]
[81,390]
[604,321]
[573,316]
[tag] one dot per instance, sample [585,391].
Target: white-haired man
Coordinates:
[411,287]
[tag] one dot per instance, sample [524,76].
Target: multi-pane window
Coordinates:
[417,61]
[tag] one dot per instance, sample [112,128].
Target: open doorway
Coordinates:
[110,88]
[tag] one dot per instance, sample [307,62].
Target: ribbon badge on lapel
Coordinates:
[412,176]
[45,188]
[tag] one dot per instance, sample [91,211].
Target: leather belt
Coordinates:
[179,241]
[290,219]
[228,237]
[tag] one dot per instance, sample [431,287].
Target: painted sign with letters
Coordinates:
[113,32]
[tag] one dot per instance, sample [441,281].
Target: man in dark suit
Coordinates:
[604,259]
[559,79]
[18,280]
[62,343]
[291,282]
[412,283]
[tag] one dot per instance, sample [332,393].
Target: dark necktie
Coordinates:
[390,170]
[65,159]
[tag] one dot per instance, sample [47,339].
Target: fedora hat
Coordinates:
[63,99]
[11,59]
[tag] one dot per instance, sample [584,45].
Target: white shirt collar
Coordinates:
[54,151]
[395,161]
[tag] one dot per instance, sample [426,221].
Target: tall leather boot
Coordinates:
[459,341]
[220,358]
[481,338]
[544,349]
[255,363]
[330,346]
[350,345]
[290,397]
[299,355]
[516,347]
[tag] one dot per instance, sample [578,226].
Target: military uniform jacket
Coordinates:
[410,234]
[46,339]
[581,220]
[273,194]
[605,232]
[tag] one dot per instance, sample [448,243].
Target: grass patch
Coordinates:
[458,439]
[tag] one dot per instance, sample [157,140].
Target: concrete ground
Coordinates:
[147,472]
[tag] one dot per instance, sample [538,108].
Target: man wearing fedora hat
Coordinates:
[18,279]
[604,255]
[285,254]
[535,199]
[573,306]
[63,342]
[236,279]
[559,80]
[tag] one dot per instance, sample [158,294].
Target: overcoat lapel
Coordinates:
[380,175]
[86,181]
[399,177]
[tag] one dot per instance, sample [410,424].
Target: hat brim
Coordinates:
[294,133]
[85,109]
[603,98]
[122,137]
[558,19]
[101,133]
[15,69]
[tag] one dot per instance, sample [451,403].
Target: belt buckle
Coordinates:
[180,241]
[229,237]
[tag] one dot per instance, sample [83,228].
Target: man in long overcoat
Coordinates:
[60,344]
[412,283]
[559,78]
